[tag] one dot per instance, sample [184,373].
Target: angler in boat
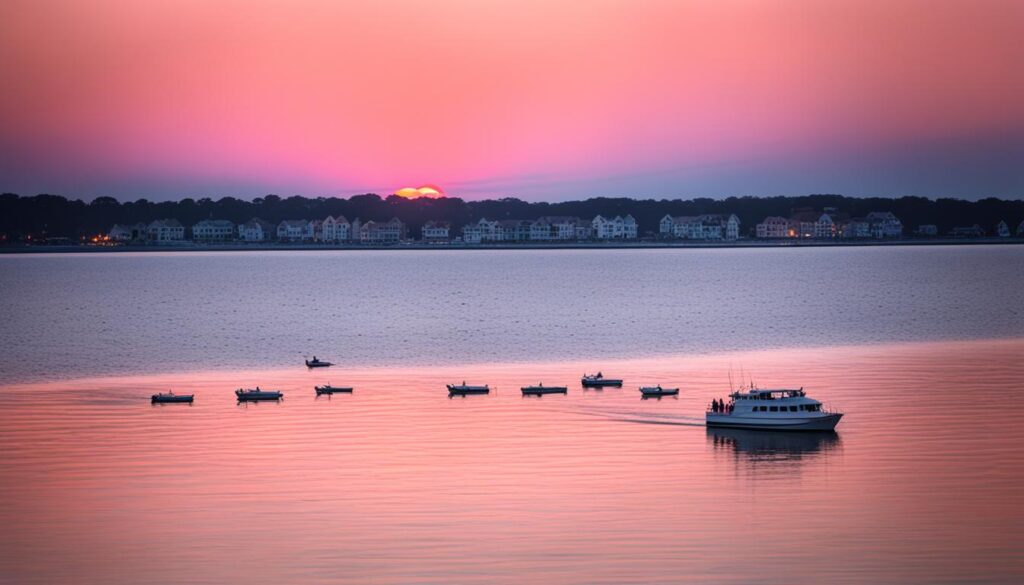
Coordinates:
[464,388]
[252,394]
[170,397]
[599,381]
[316,363]
[542,389]
[785,410]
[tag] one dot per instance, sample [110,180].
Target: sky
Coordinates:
[535,99]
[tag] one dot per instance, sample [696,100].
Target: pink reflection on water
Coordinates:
[398,483]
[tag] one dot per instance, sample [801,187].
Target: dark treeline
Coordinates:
[57,216]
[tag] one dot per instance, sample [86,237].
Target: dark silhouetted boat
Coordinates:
[328,389]
[172,398]
[464,388]
[316,363]
[599,381]
[542,389]
[658,391]
[252,394]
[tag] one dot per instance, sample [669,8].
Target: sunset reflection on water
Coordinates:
[397,482]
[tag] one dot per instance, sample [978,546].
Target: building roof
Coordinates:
[300,223]
[223,223]
[165,223]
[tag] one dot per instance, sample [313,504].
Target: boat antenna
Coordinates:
[731,390]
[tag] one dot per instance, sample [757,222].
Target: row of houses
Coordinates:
[332,229]
[802,224]
[829,224]
[544,229]
[700,227]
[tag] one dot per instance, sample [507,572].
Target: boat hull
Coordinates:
[818,423]
[320,391]
[156,399]
[601,383]
[462,391]
[318,364]
[253,397]
[539,391]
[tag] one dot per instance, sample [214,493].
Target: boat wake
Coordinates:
[645,417]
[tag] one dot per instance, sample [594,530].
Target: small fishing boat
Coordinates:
[250,394]
[317,363]
[170,397]
[658,391]
[464,388]
[328,389]
[542,389]
[599,381]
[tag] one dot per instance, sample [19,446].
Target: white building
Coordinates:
[884,224]
[701,227]
[774,227]
[387,232]
[559,227]
[1002,230]
[484,230]
[335,229]
[813,225]
[294,230]
[166,230]
[255,230]
[435,231]
[617,228]
[1020,229]
[213,230]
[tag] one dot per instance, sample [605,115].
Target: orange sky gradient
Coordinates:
[544,100]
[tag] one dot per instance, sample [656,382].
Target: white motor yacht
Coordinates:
[784,410]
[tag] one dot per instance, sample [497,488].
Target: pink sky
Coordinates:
[545,100]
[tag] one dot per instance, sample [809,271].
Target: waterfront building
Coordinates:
[294,230]
[213,230]
[484,230]
[774,227]
[255,230]
[809,224]
[335,229]
[435,231]
[927,229]
[555,227]
[1002,230]
[701,227]
[584,229]
[127,233]
[1020,229]
[382,232]
[617,228]
[884,224]
[165,230]
[514,230]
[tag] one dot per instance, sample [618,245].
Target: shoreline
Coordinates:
[654,245]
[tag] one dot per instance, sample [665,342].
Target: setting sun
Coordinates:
[430,191]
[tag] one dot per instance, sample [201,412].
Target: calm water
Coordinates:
[923,348]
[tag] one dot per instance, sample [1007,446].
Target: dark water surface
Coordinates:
[397,483]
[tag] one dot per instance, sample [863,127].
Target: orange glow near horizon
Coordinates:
[428,191]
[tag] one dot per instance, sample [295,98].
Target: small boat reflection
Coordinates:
[775,446]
